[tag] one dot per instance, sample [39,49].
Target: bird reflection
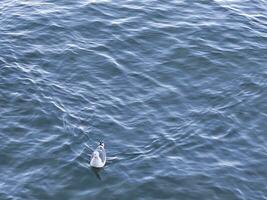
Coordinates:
[97,172]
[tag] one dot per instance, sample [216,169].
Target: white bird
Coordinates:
[98,158]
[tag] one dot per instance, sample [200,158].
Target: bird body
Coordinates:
[98,159]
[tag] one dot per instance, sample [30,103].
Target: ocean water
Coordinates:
[177,90]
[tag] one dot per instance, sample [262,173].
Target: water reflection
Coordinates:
[97,172]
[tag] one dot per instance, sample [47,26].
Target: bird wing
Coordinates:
[102,154]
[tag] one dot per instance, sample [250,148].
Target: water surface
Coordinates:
[177,90]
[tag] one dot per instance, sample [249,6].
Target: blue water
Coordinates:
[177,90]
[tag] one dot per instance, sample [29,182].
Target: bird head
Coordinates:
[101,143]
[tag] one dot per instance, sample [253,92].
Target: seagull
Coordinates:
[98,159]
